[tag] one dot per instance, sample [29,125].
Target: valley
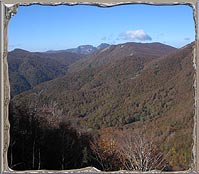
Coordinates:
[69,105]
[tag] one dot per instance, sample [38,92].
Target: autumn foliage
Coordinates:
[122,149]
[105,150]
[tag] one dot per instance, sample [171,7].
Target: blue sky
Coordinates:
[42,28]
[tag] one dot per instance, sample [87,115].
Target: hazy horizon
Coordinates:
[94,46]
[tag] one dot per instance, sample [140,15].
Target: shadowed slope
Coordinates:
[27,69]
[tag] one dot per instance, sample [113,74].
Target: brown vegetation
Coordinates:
[103,95]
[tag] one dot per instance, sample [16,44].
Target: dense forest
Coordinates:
[128,106]
[27,69]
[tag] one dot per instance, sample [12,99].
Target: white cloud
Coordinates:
[134,35]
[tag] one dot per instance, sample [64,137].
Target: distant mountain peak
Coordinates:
[85,46]
[82,49]
[18,50]
[102,45]
[87,49]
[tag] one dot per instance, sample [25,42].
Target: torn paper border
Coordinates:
[8,8]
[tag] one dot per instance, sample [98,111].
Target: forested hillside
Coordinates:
[138,92]
[28,69]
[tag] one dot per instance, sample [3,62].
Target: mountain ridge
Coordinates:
[82,49]
[151,89]
[107,54]
[27,69]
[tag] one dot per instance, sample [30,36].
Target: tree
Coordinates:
[139,152]
[116,149]
[105,151]
[40,119]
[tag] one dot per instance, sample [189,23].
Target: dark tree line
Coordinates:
[37,143]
